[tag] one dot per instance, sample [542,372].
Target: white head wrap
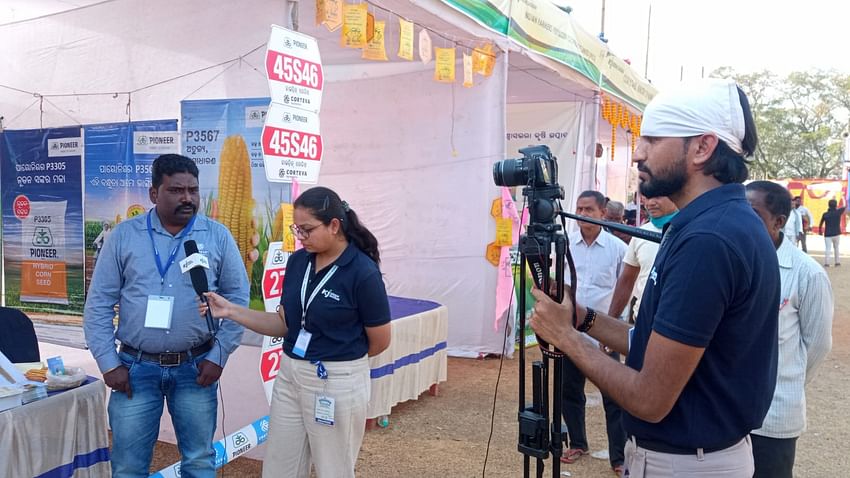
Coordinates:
[707,106]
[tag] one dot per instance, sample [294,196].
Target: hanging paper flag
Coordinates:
[375,49]
[405,39]
[354,26]
[286,210]
[504,231]
[425,46]
[496,208]
[493,254]
[444,68]
[329,14]
[467,70]
[370,27]
[484,59]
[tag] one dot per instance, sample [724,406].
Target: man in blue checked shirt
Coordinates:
[167,351]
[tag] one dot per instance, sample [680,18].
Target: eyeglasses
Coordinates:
[301,232]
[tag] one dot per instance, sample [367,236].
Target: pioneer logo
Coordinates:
[64,147]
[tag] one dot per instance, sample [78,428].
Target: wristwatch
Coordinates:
[589,319]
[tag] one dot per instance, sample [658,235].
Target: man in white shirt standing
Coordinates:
[598,258]
[807,220]
[805,335]
[793,228]
[640,256]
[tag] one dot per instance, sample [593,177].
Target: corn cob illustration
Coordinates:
[277,226]
[235,202]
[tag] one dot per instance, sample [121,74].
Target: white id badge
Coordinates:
[302,343]
[158,313]
[325,410]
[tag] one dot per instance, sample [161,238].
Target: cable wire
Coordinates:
[502,355]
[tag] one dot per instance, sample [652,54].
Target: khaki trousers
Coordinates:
[733,462]
[296,440]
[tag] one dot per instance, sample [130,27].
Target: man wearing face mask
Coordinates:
[167,353]
[640,256]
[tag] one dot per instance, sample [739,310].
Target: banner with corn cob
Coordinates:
[224,139]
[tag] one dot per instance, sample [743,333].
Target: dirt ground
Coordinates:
[447,436]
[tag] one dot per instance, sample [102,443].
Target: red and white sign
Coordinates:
[292,145]
[294,69]
[273,275]
[270,363]
[21,206]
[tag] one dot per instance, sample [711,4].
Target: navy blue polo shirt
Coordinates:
[353,298]
[715,284]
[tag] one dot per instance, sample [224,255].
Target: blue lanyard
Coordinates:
[163,271]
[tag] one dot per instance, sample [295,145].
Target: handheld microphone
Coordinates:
[199,279]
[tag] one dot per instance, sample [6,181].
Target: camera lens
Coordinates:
[510,172]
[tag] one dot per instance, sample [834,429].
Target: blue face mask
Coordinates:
[660,222]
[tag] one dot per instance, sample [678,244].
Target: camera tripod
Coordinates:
[539,431]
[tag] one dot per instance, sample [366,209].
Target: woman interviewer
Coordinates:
[333,315]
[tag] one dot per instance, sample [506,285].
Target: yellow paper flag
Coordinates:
[370,27]
[329,14]
[405,39]
[496,208]
[288,237]
[375,49]
[504,231]
[467,70]
[444,67]
[354,18]
[484,59]
[494,253]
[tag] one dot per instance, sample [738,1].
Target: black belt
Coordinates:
[168,359]
[662,447]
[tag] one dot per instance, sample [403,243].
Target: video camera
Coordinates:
[537,170]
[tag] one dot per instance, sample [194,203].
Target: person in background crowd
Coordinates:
[598,258]
[805,336]
[615,212]
[793,228]
[640,256]
[701,366]
[167,353]
[333,315]
[832,232]
[807,218]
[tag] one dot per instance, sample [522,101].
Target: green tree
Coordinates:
[800,119]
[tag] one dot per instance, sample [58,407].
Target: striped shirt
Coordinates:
[805,337]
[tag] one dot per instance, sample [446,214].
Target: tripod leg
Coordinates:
[557,441]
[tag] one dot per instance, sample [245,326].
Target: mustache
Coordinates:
[642,168]
[184,206]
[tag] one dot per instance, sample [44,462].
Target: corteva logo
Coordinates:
[64,147]
[155,142]
[255,116]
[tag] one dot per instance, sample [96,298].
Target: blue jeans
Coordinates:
[135,421]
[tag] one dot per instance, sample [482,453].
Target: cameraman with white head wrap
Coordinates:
[701,360]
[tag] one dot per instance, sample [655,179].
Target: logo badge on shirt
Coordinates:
[328,293]
[653,275]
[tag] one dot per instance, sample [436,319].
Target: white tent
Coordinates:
[412,156]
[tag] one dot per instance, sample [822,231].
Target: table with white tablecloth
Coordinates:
[63,435]
[416,358]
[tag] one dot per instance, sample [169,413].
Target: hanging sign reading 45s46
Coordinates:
[294,69]
[292,144]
